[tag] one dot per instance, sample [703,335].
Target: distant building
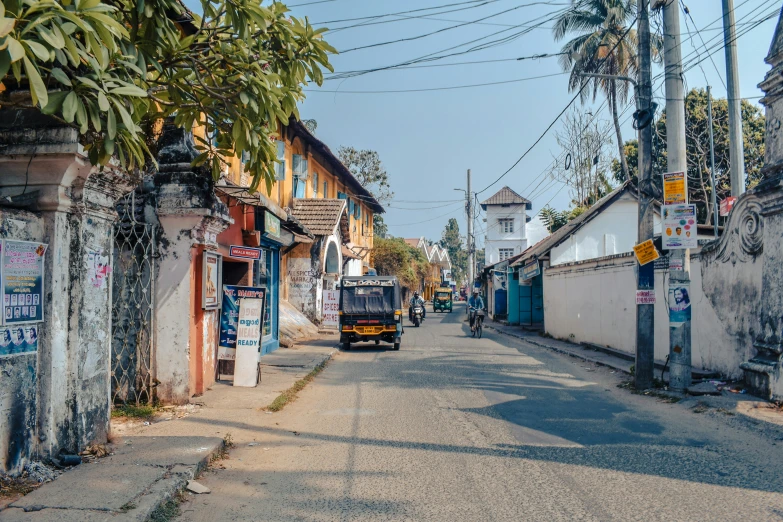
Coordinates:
[506,219]
[440,265]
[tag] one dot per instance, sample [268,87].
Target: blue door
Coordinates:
[537,301]
[526,303]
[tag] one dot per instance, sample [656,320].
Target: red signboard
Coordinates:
[726,205]
[244,252]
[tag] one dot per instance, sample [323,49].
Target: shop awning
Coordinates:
[348,253]
[257,199]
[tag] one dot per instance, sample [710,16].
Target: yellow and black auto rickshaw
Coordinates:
[370,310]
[442,300]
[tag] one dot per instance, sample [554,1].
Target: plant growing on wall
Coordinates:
[114,69]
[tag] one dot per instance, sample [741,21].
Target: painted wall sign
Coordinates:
[18,340]
[645,297]
[22,268]
[674,192]
[211,281]
[646,252]
[726,205]
[229,317]
[679,304]
[271,225]
[245,252]
[331,307]
[531,270]
[248,342]
[679,226]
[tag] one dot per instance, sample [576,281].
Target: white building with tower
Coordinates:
[506,217]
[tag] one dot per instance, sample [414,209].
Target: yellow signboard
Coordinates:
[646,252]
[674,189]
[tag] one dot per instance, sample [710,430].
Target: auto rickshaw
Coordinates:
[442,300]
[370,310]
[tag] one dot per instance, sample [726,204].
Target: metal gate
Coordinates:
[133,304]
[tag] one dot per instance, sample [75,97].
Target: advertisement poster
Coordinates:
[646,252]
[679,226]
[674,188]
[248,342]
[726,205]
[211,281]
[331,307]
[18,340]
[98,268]
[22,269]
[679,304]
[229,317]
[645,297]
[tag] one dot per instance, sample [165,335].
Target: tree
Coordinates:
[367,168]
[697,141]
[452,242]
[587,165]
[556,219]
[115,69]
[605,45]
[395,257]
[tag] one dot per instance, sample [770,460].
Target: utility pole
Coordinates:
[677,161]
[736,147]
[712,163]
[645,313]
[471,264]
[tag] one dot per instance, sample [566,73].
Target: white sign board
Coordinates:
[248,341]
[645,297]
[331,308]
[679,227]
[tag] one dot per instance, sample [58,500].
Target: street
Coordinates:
[456,428]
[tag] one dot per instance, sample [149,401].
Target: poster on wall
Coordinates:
[679,304]
[679,226]
[18,340]
[331,308]
[98,268]
[22,264]
[674,188]
[211,281]
[229,317]
[248,342]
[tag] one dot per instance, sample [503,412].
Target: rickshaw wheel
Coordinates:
[377,341]
[396,346]
[346,346]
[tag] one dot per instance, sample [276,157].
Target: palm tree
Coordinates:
[604,45]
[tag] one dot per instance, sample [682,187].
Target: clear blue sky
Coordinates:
[428,140]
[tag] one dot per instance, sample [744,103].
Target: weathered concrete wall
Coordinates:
[18,373]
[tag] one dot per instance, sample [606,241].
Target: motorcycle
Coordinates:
[418,315]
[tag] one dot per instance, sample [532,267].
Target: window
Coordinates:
[326,189]
[357,211]
[505,253]
[315,184]
[299,167]
[280,174]
[506,225]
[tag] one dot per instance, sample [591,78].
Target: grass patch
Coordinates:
[290,394]
[701,407]
[726,412]
[133,412]
[167,511]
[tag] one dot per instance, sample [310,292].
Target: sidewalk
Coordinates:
[151,464]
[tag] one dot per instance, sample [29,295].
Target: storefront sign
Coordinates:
[674,190]
[645,297]
[331,308]
[531,270]
[22,275]
[726,205]
[271,228]
[646,252]
[679,304]
[211,280]
[679,226]
[18,340]
[248,342]
[245,252]
[229,317]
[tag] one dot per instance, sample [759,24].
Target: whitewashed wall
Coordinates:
[595,302]
[496,239]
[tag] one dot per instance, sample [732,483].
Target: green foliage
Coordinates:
[366,166]
[394,257]
[556,219]
[380,229]
[113,70]
[452,242]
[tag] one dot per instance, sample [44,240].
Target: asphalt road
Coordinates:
[453,428]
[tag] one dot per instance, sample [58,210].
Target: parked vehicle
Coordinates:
[442,300]
[417,315]
[370,310]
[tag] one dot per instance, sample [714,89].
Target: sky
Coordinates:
[428,139]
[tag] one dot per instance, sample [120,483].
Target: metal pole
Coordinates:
[712,163]
[645,313]
[471,264]
[736,147]
[677,161]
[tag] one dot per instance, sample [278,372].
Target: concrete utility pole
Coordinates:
[677,161]
[645,313]
[715,212]
[471,264]
[736,147]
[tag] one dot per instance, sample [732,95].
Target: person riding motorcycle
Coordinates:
[475,304]
[417,300]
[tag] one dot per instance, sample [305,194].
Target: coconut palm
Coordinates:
[605,45]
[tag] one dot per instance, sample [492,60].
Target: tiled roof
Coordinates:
[413,242]
[320,216]
[505,196]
